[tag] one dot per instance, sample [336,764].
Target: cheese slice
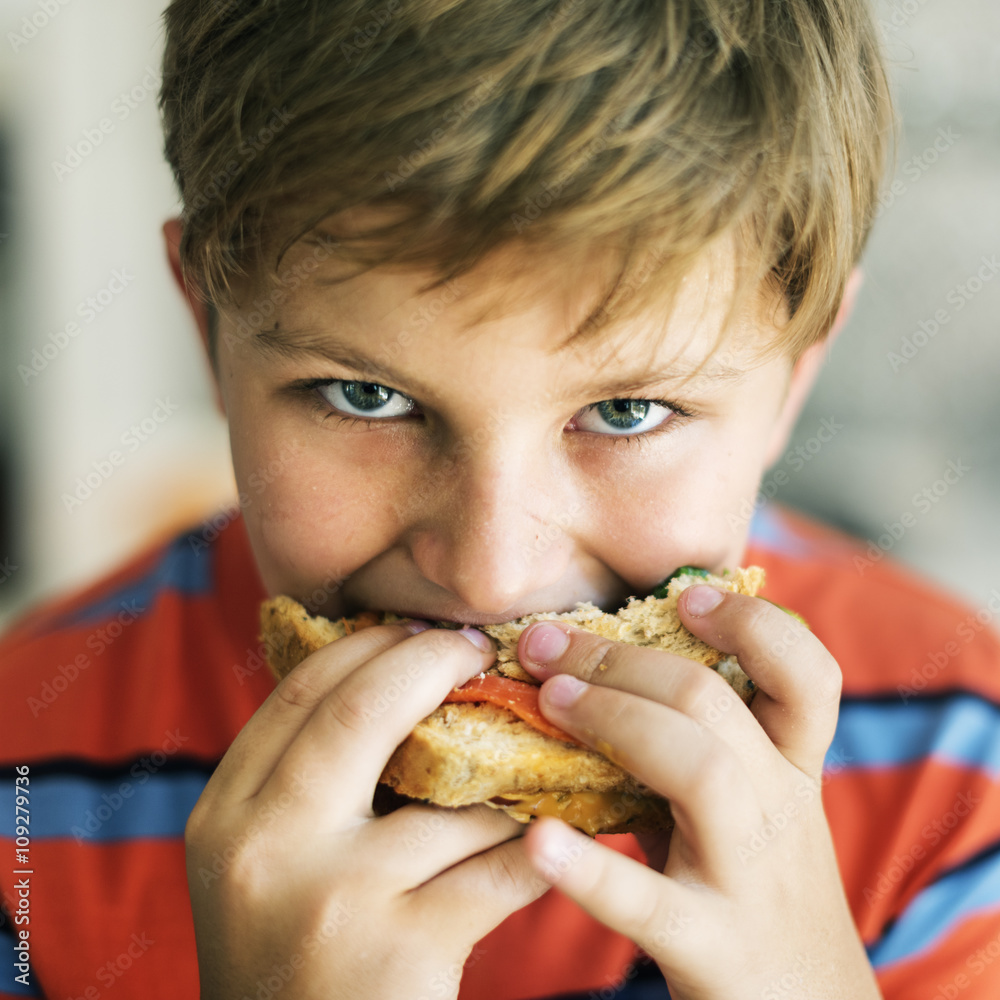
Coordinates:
[587,811]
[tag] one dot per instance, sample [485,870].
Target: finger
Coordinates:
[798,681]
[711,793]
[351,734]
[664,917]
[259,745]
[683,684]
[417,842]
[470,899]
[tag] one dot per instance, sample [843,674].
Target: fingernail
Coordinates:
[545,643]
[416,626]
[564,690]
[478,639]
[700,600]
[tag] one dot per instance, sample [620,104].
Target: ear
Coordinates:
[806,371]
[172,231]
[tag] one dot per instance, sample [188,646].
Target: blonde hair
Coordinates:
[651,128]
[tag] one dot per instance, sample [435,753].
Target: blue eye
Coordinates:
[365,399]
[623,421]
[625,416]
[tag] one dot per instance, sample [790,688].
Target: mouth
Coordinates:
[456,616]
[477,621]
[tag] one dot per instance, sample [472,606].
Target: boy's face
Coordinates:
[486,483]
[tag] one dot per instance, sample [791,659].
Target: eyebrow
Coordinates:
[295,344]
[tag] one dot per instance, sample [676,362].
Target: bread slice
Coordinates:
[466,753]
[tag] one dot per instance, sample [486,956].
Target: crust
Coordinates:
[290,633]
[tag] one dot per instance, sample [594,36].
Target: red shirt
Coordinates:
[121,699]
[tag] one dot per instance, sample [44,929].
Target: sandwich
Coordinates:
[488,741]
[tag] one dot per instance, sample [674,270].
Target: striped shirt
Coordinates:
[117,702]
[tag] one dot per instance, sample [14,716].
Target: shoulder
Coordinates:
[116,703]
[87,673]
[911,784]
[893,633]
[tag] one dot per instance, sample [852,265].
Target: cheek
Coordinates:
[682,510]
[316,505]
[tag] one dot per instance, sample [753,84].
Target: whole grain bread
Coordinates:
[466,753]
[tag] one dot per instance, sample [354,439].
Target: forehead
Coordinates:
[526,303]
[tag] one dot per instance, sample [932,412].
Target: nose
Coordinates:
[490,530]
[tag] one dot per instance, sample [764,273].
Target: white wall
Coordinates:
[72,231]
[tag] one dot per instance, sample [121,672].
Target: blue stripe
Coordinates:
[185,566]
[769,531]
[99,810]
[939,909]
[8,984]
[962,730]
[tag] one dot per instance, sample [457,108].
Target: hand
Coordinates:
[748,900]
[294,881]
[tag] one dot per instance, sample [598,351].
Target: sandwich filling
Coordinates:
[519,697]
[590,812]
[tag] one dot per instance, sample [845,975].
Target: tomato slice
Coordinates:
[518,696]
[367,619]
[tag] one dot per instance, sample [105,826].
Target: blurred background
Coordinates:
[99,355]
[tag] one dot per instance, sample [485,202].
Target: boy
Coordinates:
[465,272]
